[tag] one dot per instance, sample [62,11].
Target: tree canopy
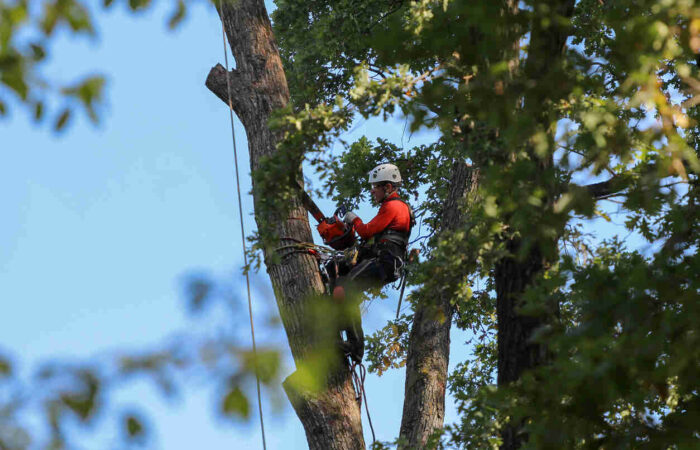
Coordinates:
[573,113]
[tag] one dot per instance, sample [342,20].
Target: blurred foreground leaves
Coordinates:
[27,32]
[64,394]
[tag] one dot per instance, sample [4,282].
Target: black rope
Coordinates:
[358,381]
[403,287]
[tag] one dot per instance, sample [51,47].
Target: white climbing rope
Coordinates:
[240,214]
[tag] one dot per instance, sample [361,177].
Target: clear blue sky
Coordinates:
[100,224]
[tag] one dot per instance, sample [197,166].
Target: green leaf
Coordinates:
[178,15]
[83,401]
[50,18]
[265,364]
[3,108]
[77,16]
[134,427]
[236,403]
[5,367]
[38,111]
[15,80]
[62,119]
[136,5]
[38,52]
[89,92]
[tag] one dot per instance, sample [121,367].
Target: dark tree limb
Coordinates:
[606,188]
[617,184]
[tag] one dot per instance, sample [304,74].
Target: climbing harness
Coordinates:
[412,256]
[403,286]
[240,215]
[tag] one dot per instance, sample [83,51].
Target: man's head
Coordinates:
[382,190]
[385,179]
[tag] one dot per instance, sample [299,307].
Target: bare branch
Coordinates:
[217,83]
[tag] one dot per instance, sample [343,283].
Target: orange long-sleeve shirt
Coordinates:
[393,215]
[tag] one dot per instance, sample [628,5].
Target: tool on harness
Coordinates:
[412,257]
[334,232]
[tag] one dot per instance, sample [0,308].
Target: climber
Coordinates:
[382,251]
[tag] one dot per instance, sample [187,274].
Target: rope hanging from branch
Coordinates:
[240,215]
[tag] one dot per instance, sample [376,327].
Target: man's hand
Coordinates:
[349,217]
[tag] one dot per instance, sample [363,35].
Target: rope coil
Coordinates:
[358,381]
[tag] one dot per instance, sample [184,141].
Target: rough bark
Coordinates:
[516,351]
[429,342]
[514,275]
[330,418]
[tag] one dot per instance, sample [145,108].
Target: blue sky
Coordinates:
[100,225]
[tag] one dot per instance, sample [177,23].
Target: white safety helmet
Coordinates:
[385,172]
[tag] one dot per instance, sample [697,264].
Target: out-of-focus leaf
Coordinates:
[17,14]
[49,19]
[62,119]
[136,5]
[177,15]
[198,291]
[134,427]
[83,401]
[77,16]
[5,367]
[15,80]
[89,93]
[236,403]
[38,52]
[38,111]
[3,108]
[265,364]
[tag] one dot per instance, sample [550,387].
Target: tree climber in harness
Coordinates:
[381,254]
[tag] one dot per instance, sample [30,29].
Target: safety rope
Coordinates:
[358,381]
[240,214]
[403,287]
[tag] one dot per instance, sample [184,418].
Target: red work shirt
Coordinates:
[393,215]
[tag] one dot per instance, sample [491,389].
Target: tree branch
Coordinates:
[217,84]
[607,188]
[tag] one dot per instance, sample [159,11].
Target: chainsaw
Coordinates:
[334,232]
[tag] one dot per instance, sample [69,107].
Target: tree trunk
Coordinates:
[516,352]
[429,342]
[513,275]
[258,86]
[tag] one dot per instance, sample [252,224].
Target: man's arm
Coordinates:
[376,225]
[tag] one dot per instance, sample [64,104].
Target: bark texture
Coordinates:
[258,86]
[429,342]
[516,351]
[513,275]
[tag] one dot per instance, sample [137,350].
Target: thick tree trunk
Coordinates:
[514,275]
[429,342]
[516,352]
[258,86]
